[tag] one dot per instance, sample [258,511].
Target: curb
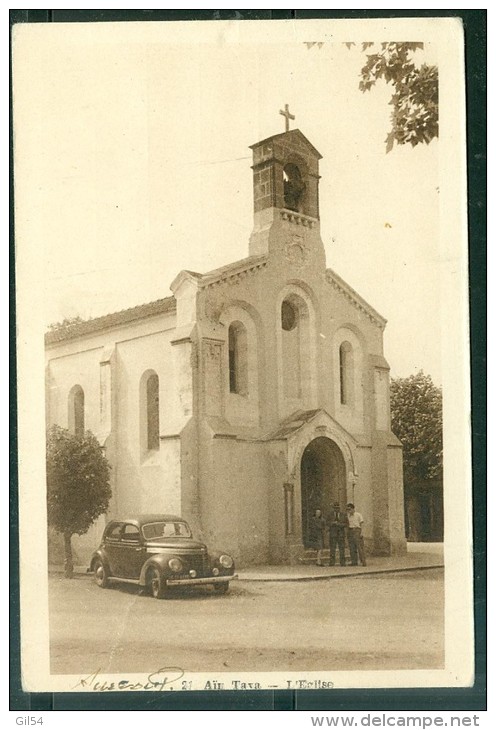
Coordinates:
[379,571]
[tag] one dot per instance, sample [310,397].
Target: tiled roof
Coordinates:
[234,267]
[292,423]
[66,332]
[299,418]
[78,329]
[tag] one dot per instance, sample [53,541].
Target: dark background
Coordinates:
[447,699]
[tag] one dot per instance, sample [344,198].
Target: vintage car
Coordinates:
[158,552]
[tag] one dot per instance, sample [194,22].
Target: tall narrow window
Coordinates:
[238,359]
[152,412]
[76,411]
[346,373]
[294,321]
[289,316]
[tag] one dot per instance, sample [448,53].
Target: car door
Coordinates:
[112,547]
[133,553]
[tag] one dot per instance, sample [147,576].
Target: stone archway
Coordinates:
[323,480]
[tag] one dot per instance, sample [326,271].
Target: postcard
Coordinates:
[243,355]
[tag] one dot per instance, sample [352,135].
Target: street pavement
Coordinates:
[372,621]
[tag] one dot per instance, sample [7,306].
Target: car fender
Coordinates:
[99,554]
[160,561]
[214,556]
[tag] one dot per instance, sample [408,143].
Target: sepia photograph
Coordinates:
[243,355]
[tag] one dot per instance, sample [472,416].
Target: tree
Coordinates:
[415,101]
[417,420]
[78,485]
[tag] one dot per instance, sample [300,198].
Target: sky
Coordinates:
[132,148]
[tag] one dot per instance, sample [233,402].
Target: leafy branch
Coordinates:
[415,100]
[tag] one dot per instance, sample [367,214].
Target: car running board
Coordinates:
[124,580]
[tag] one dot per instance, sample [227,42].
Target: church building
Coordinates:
[253,395]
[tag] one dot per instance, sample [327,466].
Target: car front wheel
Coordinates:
[221,587]
[156,583]
[101,575]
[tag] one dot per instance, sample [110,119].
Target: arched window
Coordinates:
[152,413]
[238,359]
[289,316]
[294,187]
[346,373]
[76,411]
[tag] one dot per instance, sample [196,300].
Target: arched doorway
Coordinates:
[323,480]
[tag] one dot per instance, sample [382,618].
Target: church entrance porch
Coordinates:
[323,481]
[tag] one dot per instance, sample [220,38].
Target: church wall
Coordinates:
[342,321]
[188,448]
[380,491]
[297,350]
[219,495]
[149,479]
[63,373]
[141,481]
[396,499]
[242,408]
[234,499]
[283,515]
[81,368]
[245,299]
[362,496]
[351,413]
[387,490]
[331,319]
[253,499]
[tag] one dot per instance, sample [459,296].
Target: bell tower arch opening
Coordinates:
[294,187]
[323,481]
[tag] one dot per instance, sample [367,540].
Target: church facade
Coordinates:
[255,394]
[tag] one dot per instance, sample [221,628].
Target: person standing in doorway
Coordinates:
[355,540]
[337,525]
[317,532]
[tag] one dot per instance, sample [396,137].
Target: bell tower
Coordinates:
[285,188]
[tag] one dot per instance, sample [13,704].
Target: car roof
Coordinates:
[144,519]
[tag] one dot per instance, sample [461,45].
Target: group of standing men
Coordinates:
[339,525]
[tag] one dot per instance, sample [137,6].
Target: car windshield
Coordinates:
[156,530]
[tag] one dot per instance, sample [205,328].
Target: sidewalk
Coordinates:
[420,556]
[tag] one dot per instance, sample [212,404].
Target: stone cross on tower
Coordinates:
[287,115]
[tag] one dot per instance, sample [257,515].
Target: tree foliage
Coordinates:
[415,99]
[417,420]
[78,484]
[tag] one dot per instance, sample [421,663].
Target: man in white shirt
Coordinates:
[355,540]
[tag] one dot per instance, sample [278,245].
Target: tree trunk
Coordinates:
[68,564]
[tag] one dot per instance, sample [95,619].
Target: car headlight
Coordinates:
[175,565]
[226,561]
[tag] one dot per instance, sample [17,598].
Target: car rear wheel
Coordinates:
[156,583]
[101,575]
[221,587]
